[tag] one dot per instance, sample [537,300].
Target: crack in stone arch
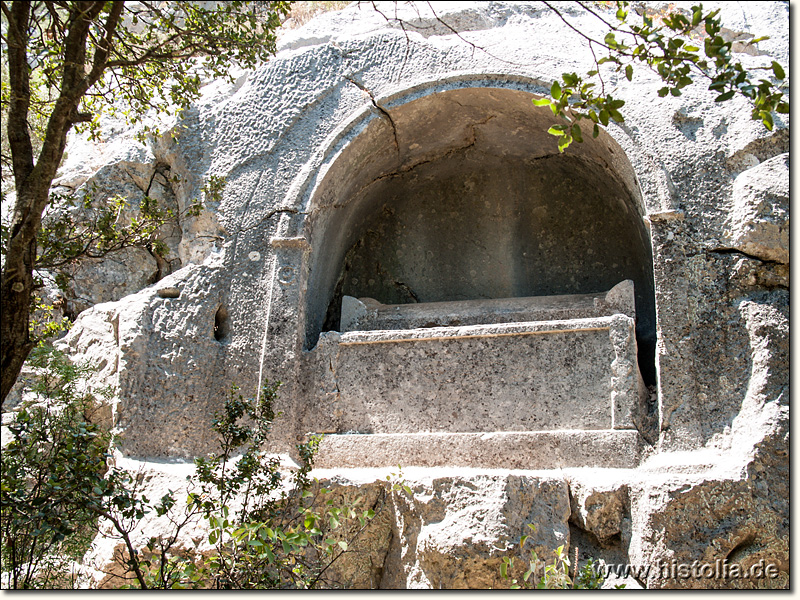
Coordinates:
[434,138]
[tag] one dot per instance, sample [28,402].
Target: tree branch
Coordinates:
[104,46]
[19,138]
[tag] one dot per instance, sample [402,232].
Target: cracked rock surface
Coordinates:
[358,138]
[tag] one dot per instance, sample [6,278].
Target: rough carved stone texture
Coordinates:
[488,377]
[367,314]
[760,218]
[129,170]
[325,151]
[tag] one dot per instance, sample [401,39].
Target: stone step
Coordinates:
[367,314]
[510,450]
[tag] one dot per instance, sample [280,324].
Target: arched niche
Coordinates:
[462,195]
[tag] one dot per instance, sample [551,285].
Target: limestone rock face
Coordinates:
[739,524]
[105,280]
[760,219]
[452,531]
[600,512]
[128,170]
[407,167]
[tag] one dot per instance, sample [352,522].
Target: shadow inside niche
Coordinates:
[221,324]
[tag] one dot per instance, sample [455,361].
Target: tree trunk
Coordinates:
[17,283]
[16,288]
[32,181]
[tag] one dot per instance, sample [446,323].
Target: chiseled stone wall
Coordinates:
[353,118]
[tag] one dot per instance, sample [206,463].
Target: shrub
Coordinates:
[51,470]
[282,533]
[268,528]
[553,576]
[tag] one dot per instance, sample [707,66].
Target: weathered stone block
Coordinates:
[506,450]
[367,314]
[487,377]
[759,221]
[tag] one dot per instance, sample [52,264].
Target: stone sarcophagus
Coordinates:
[373,162]
[484,380]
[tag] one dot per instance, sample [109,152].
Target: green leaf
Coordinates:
[555,90]
[576,133]
[343,546]
[629,72]
[541,101]
[558,130]
[616,115]
[726,96]
[778,71]
[766,118]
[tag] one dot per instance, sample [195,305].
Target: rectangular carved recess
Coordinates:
[516,364]
[516,383]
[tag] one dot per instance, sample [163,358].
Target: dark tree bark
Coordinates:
[33,180]
[82,41]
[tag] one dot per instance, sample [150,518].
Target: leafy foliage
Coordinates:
[55,480]
[94,229]
[43,324]
[140,56]
[670,49]
[67,63]
[554,576]
[53,458]
[267,528]
[282,535]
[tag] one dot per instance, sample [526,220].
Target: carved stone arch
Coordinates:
[454,191]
